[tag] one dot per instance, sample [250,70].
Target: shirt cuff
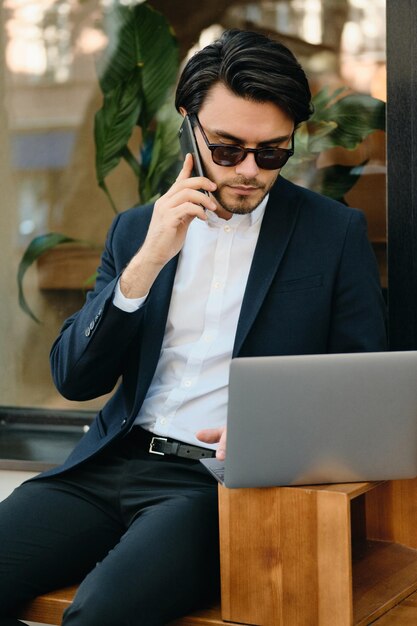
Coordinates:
[129,305]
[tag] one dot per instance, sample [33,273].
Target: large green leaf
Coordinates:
[323,98]
[163,166]
[355,116]
[145,41]
[340,118]
[114,123]
[137,71]
[37,247]
[314,137]
[336,180]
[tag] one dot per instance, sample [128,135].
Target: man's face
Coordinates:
[230,119]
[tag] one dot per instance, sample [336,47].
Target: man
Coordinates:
[256,267]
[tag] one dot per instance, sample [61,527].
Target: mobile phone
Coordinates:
[188,144]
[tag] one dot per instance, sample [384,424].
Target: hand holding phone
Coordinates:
[188,144]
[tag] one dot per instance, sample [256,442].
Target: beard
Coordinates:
[241,205]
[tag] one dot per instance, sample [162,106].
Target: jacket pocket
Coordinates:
[297,284]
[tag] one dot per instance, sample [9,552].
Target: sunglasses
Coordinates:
[229,155]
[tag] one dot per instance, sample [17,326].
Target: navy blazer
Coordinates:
[313,287]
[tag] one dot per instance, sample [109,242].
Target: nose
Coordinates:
[248,167]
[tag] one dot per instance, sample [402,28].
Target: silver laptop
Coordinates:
[299,420]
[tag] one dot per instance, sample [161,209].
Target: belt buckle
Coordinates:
[153,441]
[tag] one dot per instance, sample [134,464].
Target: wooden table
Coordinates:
[332,555]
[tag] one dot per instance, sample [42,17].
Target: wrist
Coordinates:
[139,276]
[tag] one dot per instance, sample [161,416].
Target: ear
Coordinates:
[183,111]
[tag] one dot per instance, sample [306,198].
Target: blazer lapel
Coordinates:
[277,227]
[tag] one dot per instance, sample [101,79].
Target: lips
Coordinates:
[242,189]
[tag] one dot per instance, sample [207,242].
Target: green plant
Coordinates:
[341,119]
[138,69]
[136,76]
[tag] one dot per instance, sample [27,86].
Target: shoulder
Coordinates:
[313,206]
[128,231]
[132,222]
[138,215]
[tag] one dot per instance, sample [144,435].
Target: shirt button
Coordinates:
[217,285]
[187,383]
[87,331]
[163,420]
[227,229]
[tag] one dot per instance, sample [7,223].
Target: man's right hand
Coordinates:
[172,215]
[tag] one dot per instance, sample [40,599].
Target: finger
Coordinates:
[199,182]
[187,168]
[194,196]
[221,449]
[210,435]
[195,182]
[221,454]
[186,212]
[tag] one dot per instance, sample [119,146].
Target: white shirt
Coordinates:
[189,390]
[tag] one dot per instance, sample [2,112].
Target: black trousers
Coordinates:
[140,531]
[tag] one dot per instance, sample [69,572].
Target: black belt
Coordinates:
[165,446]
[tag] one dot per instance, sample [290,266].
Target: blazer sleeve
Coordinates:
[358,321]
[87,357]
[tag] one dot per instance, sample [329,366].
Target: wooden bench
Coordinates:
[49,608]
[328,555]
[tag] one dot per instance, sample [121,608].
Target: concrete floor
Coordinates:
[9,480]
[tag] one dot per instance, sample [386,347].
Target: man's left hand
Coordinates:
[215,435]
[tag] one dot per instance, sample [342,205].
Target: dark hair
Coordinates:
[251,66]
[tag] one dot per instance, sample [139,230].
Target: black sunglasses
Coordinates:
[229,155]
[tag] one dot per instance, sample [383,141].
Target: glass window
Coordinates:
[49,79]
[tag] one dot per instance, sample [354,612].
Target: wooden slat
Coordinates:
[208,617]
[49,609]
[352,490]
[334,560]
[404,614]
[391,512]
[251,592]
[285,556]
[384,575]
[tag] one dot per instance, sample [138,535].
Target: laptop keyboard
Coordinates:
[219,472]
